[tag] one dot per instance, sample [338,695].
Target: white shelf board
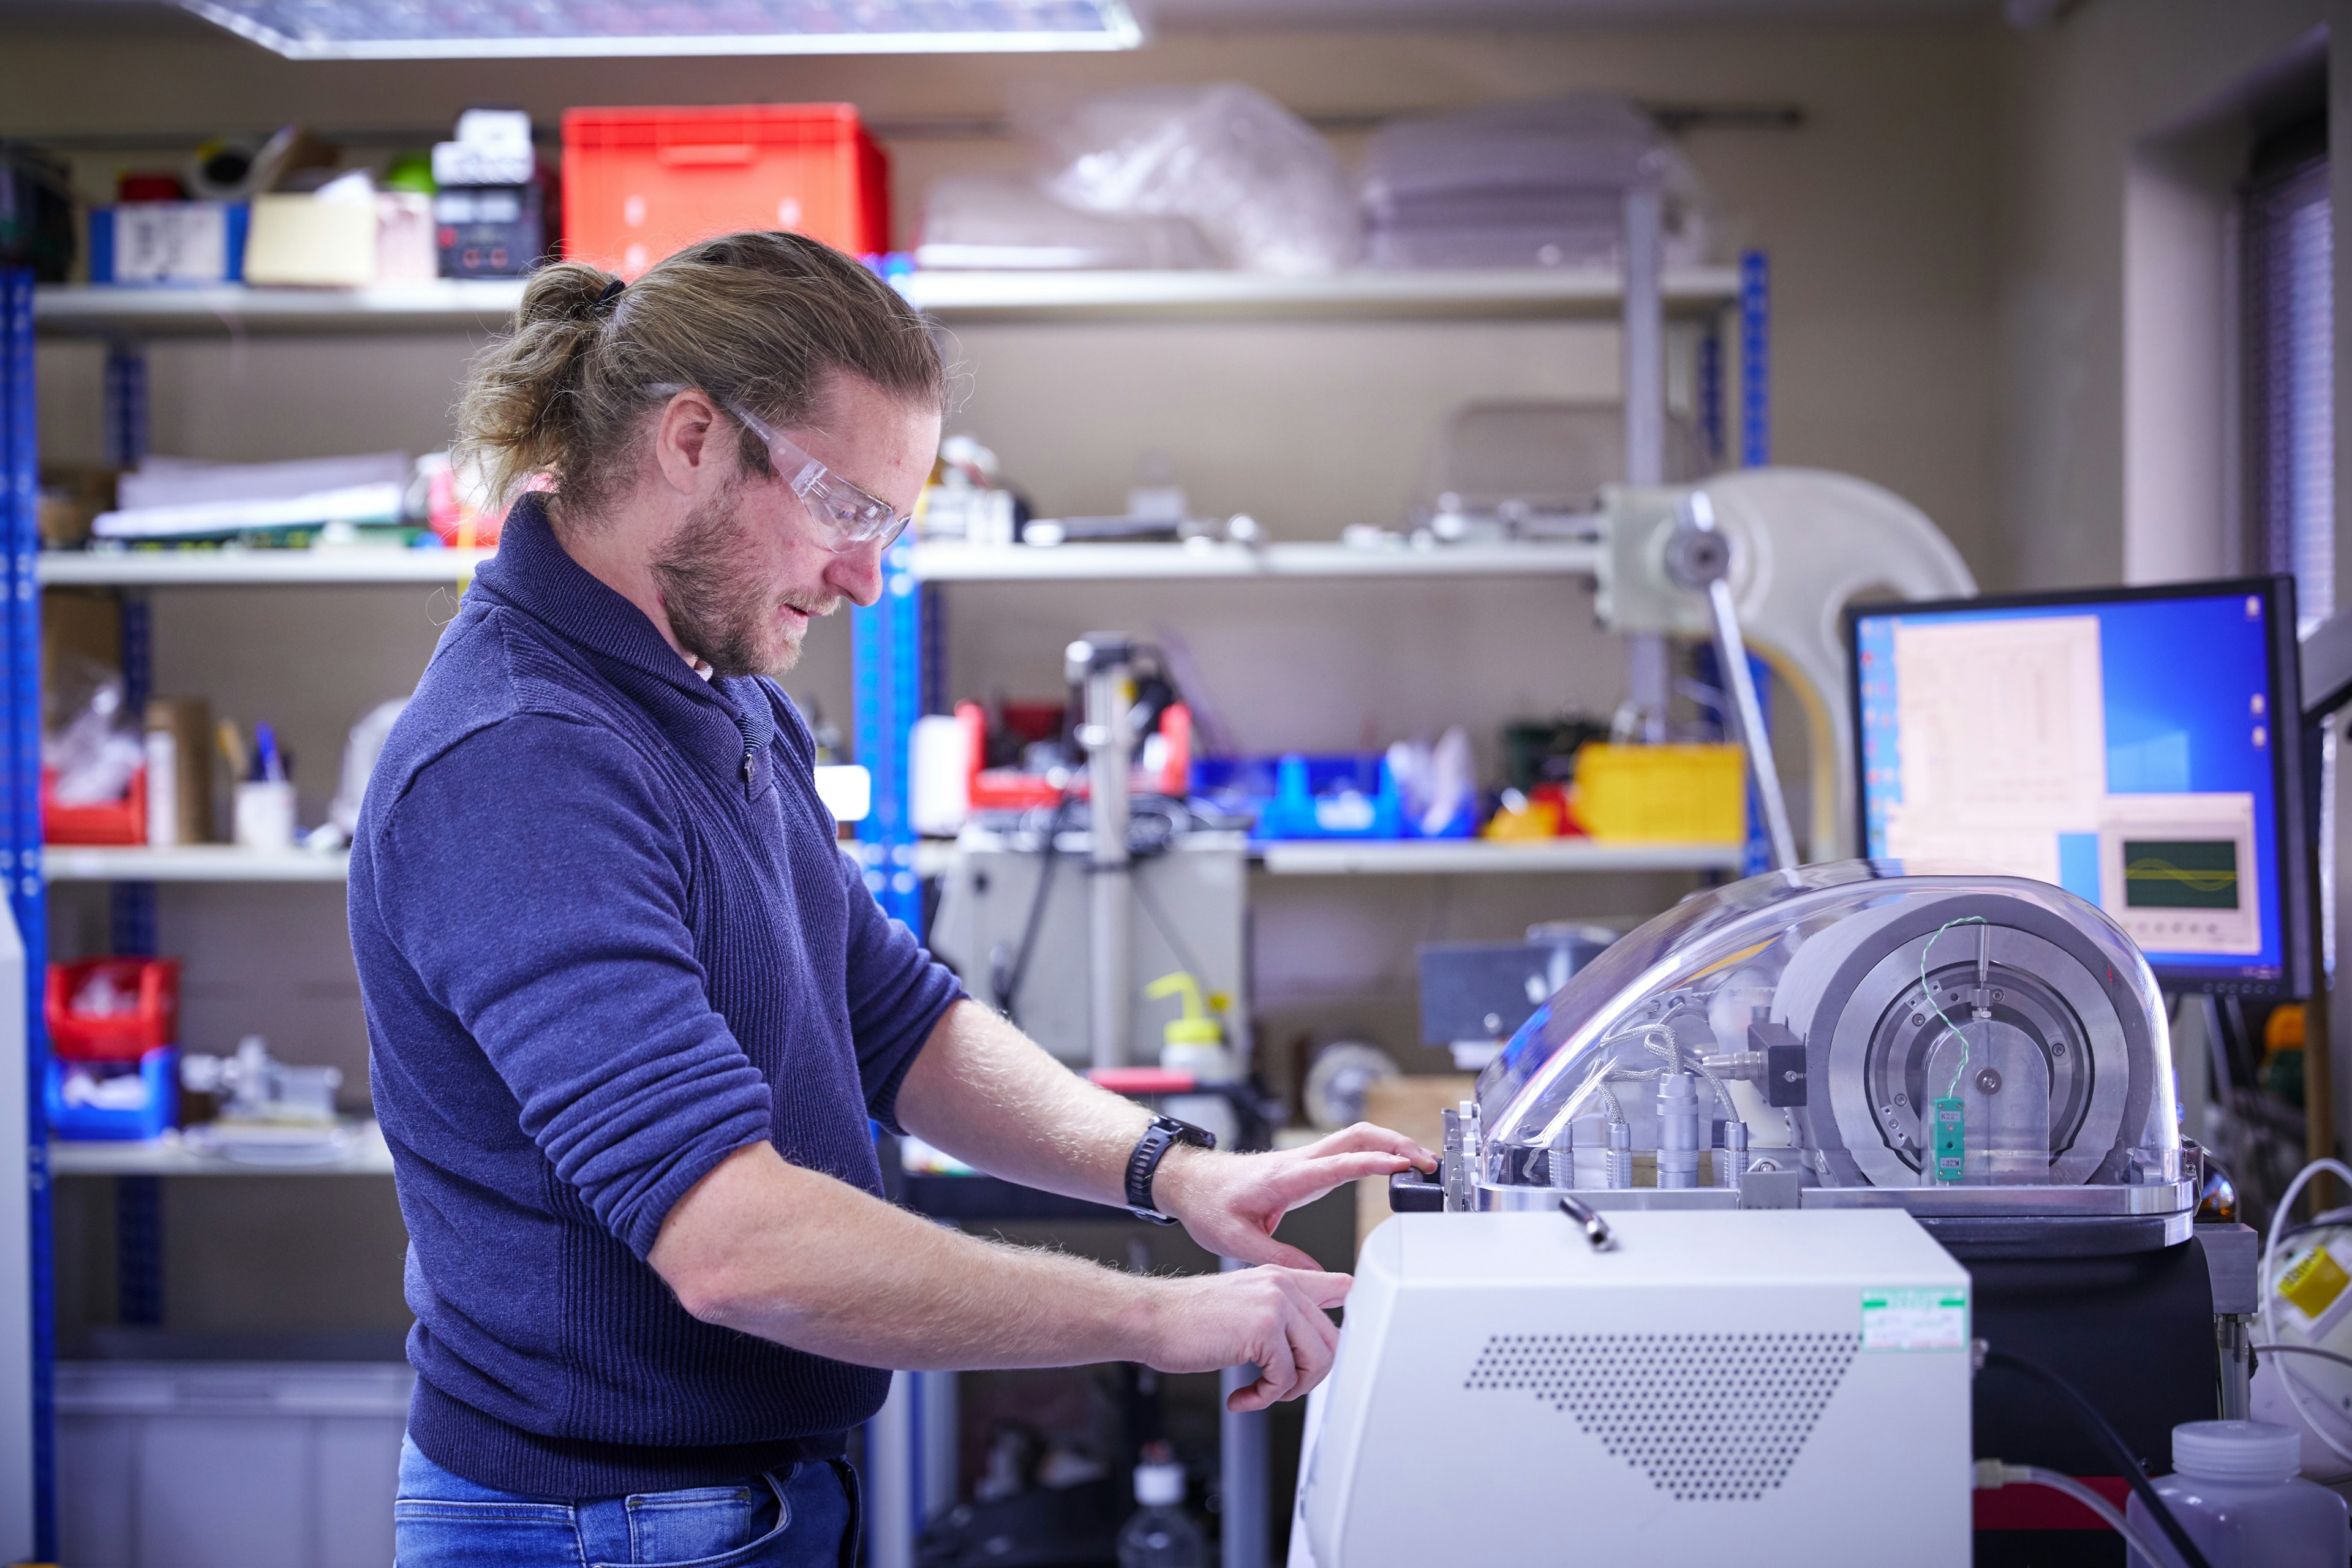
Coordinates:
[940,562]
[85,310]
[104,309]
[1429,858]
[357,565]
[1365,292]
[192,863]
[170,1155]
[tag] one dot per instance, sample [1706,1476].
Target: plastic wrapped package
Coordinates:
[1539,182]
[973,221]
[1960,1032]
[1263,187]
[91,742]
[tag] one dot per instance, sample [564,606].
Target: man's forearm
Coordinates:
[987,1094]
[793,1255]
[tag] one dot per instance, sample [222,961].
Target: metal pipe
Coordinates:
[1242,1449]
[1102,662]
[1645,344]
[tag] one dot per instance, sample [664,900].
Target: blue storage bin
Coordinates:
[163,243]
[1300,796]
[159,1072]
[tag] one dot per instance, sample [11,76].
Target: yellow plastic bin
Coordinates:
[1663,794]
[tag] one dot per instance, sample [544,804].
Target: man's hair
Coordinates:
[757,320]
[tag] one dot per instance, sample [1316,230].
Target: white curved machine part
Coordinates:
[1804,544]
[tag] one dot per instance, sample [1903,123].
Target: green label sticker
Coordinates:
[1915,1319]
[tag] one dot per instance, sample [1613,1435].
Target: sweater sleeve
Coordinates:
[531,877]
[897,993]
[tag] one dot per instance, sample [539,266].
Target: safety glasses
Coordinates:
[850,515]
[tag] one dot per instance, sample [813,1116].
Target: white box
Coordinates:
[1765,1387]
[228,1464]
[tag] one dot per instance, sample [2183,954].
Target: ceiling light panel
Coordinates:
[516,29]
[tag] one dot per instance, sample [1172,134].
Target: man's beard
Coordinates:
[711,589]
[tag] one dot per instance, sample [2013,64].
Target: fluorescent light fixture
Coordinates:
[519,29]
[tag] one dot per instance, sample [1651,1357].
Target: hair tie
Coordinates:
[604,305]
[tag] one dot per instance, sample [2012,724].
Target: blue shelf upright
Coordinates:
[887,651]
[1755,359]
[20,852]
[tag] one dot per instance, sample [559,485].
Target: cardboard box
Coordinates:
[306,240]
[179,769]
[1414,1105]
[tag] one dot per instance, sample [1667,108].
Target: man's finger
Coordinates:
[1281,1254]
[1278,1371]
[1366,1135]
[1310,1179]
[1326,1291]
[1311,1353]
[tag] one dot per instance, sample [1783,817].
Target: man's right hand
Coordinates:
[1271,1317]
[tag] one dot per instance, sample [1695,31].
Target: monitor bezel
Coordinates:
[2294,871]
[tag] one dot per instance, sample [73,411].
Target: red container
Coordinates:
[114,1037]
[121,821]
[639,183]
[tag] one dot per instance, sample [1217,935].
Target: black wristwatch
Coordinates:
[1164,1133]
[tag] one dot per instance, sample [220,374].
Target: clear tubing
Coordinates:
[2057,1481]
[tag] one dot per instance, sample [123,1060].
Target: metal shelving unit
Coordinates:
[355,567]
[893,667]
[365,1155]
[898,676]
[112,311]
[193,863]
[1452,856]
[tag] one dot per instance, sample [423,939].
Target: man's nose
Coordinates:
[855,574]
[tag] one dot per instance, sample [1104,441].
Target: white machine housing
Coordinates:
[1766,1387]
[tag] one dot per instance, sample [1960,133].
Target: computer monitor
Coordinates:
[2140,747]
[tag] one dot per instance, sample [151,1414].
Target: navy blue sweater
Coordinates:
[605,938]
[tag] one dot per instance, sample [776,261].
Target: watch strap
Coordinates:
[1163,1133]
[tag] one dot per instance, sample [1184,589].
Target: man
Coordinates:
[631,1008]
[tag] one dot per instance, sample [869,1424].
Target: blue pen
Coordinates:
[266,762]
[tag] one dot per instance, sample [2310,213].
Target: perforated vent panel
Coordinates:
[1707,1417]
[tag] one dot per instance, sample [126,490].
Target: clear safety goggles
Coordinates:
[852,516]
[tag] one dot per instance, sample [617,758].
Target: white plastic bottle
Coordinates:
[2234,1488]
[1159,1533]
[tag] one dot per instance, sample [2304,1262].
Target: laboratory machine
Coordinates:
[1730,1212]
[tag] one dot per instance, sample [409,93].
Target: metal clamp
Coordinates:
[1596,1229]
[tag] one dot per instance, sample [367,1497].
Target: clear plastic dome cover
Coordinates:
[1868,1028]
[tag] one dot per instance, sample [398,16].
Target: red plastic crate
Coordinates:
[640,184]
[119,1037]
[121,821]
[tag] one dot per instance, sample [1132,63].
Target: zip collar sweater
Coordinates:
[605,938]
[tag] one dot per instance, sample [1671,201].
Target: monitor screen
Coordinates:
[2138,747]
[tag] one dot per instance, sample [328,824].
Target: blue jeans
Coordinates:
[800,1516]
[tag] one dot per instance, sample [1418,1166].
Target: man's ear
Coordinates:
[689,436]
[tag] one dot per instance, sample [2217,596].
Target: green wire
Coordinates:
[1938,1007]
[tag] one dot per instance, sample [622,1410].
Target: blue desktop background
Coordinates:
[2180,676]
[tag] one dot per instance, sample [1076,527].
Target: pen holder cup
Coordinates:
[265,816]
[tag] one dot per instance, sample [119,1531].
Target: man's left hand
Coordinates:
[1231,1203]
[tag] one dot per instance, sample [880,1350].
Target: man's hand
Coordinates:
[1231,1203]
[1274,1319]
